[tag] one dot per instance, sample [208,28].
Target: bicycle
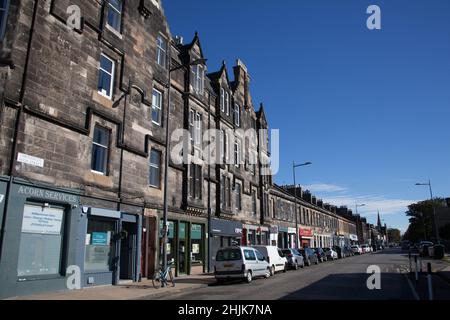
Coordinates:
[163,277]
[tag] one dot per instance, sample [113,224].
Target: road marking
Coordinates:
[416,296]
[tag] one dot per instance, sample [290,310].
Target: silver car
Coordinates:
[294,258]
[240,263]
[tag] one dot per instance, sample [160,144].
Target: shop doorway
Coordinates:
[128,251]
[182,249]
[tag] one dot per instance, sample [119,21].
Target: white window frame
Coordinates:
[155,166]
[199,78]
[113,67]
[103,147]
[222,99]
[110,6]
[158,108]
[237,114]
[237,152]
[227,103]
[160,51]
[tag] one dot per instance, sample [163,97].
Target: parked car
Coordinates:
[348,251]
[365,248]
[274,257]
[321,254]
[240,263]
[294,258]
[330,253]
[356,249]
[340,252]
[309,256]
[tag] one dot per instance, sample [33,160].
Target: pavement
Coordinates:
[126,291]
[344,279]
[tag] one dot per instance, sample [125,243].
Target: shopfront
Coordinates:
[273,234]
[283,237]
[255,235]
[112,242]
[306,237]
[42,238]
[224,233]
[185,246]
[3,188]
[292,242]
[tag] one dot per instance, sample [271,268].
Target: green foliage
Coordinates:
[421,220]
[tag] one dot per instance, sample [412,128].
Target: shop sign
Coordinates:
[305,232]
[291,230]
[46,194]
[283,229]
[274,229]
[353,237]
[42,220]
[238,231]
[99,238]
[196,232]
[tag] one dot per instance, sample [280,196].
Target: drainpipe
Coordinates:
[209,189]
[12,161]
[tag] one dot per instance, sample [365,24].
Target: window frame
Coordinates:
[119,12]
[111,74]
[237,114]
[106,148]
[154,107]
[5,12]
[155,166]
[238,192]
[160,49]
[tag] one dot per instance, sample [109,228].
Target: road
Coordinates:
[335,280]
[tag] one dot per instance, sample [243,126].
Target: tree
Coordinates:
[421,220]
[394,235]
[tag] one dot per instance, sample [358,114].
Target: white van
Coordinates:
[274,257]
[240,262]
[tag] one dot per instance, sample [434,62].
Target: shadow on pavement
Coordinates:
[353,286]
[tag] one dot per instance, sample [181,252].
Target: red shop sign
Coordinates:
[306,232]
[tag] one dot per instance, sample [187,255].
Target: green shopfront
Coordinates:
[186,246]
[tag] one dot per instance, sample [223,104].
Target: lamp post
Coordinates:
[294,166]
[166,162]
[434,209]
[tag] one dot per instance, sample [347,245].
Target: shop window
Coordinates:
[4,8]
[197,252]
[41,241]
[100,147]
[99,245]
[170,245]
[115,14]
[106,76]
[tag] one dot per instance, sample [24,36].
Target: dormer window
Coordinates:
[198,78]
[237,115]
[114,13]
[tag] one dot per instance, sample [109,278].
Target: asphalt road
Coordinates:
[335,280]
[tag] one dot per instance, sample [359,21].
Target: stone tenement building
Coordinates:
[83,120]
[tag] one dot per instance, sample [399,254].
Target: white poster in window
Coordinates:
[195,248]
[88,239]
[42,220]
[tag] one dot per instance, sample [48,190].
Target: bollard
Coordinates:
[417,274]
[410,267]
[420,263]
[430,282]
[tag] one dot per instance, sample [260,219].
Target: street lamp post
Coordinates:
[166,162]
[359,206]
[434,209]
[295,196]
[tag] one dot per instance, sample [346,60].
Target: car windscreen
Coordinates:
[286,251]
[229,255]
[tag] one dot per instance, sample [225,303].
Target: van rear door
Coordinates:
[229,260]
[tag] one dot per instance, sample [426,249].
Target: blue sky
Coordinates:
[369,108]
